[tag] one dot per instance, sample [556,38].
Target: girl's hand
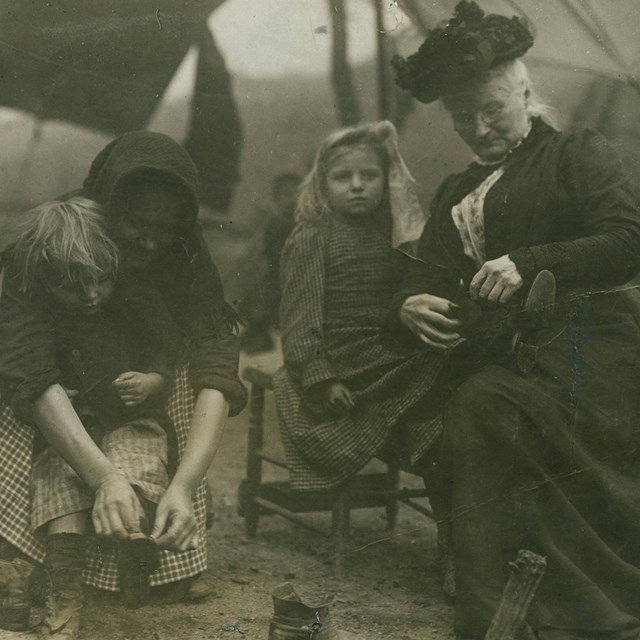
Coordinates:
[134,387]
[496,281]
[331,397]
[338,399]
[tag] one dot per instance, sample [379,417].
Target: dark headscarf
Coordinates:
[191,282]
[142,155]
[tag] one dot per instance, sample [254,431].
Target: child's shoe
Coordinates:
[15,605]
[62,621]
[294,619]
[533,320]
[64,563]
[137,560]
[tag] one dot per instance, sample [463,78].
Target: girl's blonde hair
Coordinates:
[313,202]
[65,241]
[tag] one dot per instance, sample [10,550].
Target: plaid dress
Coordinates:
[337,280]
[15,523]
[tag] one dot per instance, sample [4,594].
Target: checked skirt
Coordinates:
[16,442]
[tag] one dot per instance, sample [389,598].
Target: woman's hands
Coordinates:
[331,397]
[435,321]
[175,526]
[442,323]
[134,387]
[496,281]
[116,510]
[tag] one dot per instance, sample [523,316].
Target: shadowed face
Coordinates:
[286,198]
[493,118]
[79,298]
[151,222]
[355,182]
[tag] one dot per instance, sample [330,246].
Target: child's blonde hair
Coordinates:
[65,241]
[313,202]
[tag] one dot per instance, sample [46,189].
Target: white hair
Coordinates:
[517,74]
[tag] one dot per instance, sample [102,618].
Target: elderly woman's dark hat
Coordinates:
[466,47]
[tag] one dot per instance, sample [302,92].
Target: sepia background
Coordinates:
[250,87]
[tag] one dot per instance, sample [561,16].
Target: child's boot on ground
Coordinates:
[64,563]
[15,605]
[294,619]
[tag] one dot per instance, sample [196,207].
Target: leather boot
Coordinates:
[294,619]
[64,563]
[15,605]
[138,558]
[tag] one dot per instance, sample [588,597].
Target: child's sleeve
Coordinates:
[27,349]
[302,279]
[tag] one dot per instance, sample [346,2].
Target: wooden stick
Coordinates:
[526,572]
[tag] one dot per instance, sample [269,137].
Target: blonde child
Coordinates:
[115,349]
[352,388]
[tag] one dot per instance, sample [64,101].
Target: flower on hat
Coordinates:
[468,45]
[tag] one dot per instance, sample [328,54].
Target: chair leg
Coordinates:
[340,530]
[250,489]
[393,484]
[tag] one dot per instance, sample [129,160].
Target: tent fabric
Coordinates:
[105,64]
[585,61]
[600,37]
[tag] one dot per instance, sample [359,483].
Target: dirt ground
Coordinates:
[390,590]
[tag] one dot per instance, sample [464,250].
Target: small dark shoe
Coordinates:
[137,560]
[533,319]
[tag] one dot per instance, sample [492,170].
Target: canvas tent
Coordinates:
[104,65]
[278,57]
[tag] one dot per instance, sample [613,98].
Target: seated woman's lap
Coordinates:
[520,474]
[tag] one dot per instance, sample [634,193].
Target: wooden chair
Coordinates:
[258,497]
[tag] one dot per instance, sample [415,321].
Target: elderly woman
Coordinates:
[541,436]
[147,186]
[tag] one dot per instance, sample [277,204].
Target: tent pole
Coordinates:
[346,99]
[386,91]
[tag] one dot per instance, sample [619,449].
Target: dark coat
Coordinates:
[40,345]
[563,204]
[547,460]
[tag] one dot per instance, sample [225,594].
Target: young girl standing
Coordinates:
[352,389]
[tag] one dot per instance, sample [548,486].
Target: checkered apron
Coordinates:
[15,523]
